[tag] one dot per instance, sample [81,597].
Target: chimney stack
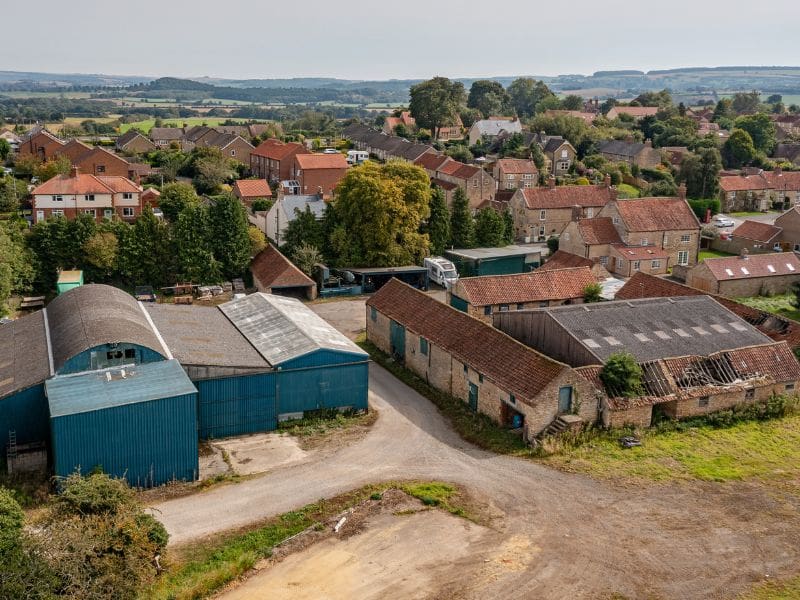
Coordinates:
[778,171]
[607,180]
[743,254]
[73,172]
[682,191]
[648,143]
[551,182]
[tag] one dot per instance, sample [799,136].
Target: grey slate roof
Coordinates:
[621,148]
[91,315]
[655,328]
[166,133]
[292,202]
[86,392]
[23,354]
[283,329]
[203,336]
[492,127]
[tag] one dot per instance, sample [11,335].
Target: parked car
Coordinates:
[330,151]
[722,221]
[441,271]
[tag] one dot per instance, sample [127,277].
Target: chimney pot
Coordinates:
[682,191]
[648,143]
[551,182]
[73,172]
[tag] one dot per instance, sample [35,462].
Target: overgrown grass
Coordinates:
[324,421]
[148,124]
[206,567]
[782,305]
[788,590]
[627,191]
[708,253]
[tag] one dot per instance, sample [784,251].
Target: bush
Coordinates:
[591,293]
[552,244]
[622,376]
[700,207]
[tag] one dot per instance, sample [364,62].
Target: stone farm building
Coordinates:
[746,275]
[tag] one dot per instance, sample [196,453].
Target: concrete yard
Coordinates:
[261,452]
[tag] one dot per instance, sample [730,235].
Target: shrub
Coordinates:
[622,376]
[591,293]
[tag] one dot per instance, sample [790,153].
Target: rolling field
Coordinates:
[148,124]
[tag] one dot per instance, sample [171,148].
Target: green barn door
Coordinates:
[565,399]
[397,338]
[473,396]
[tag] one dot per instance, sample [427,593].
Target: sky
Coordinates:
[375,39]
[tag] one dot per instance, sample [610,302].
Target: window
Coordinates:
[620,265]
[542,215]
[565,236]
[127,196]
[101,168]
[589,212]
[637,265]
[528,185]
[127,211]
[89,197]
[510,176]
[373,313]
[544,303]
[527,176]
[655,264]
[57,212]
[685,238]
[789,387]
[512,399]
[90,211]
[564,154]
[683,257]
[480,378]
[703,401]
[423,346]
[487,310]
[604,261]
[504,308]
[520,306]
[475,183]
[563,165]
[615,220]
[108,213]
[645,242]
[466,369]
[749,394]
[58,198]
[130,353]
[233,152]
[114,355]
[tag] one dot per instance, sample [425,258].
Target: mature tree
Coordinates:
[662,99]
[59,165]
[5,149]
[175,197]
[774,99]
[212,171]
[305,257]
[304,229]
[469,116]
[101,252]
[572,102]
[258,241]
[676,131]
[700,173]
[146,254]
[724,111]
[622,376]
[462,224]
[573,129]
[527,94]
[537,156]
[438,222]
[459,152]
[746,103]
[738,150]
[489,97]
[193,246]
[12,191]
[592,293]
[761,129]
[379,209]
[58,244]
[436,102]
[229,235]
[510,234]
[490,228]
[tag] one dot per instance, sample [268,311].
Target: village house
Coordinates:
[464,357]
[73,149]
[786,127]
[789,223]
[753,236]
[232,145]
[250,190]
[636,112]
[405,119]
[449,174]
[513,173]
[41,144]
[99,161]
[746,275]
[318,173]
[451,131]
[558,153]
[284,211]
[164,137]
[102,197]
[486,130]
[759,191]
[706,359]
[12,138]
[383,146]
[643,155]
[133,142]
[545,211]
[788,152]
[564,260]
[481,297]
[273,273]
[151,197]
[272,159]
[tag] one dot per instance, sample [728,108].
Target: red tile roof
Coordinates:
[764,180]
[567,196]
[758,232]
[67,185]
[321,161]
[755,265]
[775,360]
[657,214]
[431,161]
[445,185]
[565,260]
[599,230]
[252,188]
[516,166]
[274,270]
[278,150]
[507,363]
[561,284]
[458,169]
[636,111]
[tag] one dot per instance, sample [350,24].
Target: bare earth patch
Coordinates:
[261,452]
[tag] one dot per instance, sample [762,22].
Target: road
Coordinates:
[584,538]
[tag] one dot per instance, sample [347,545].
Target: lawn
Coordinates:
[709,253]
[148,124]
[782,305]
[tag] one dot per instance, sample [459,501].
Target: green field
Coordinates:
[148,124]
[70,95]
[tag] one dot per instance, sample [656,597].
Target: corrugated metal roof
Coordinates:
[96,390]
[23,353]
[282,329]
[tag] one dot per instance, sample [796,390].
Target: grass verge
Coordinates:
[782,305]
[708,253]
[205,568]
[787,590]
[326,421]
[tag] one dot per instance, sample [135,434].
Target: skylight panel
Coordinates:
[729,272]
[738,326]
[612,341]
[770,268]
[790,266]
[662,334]
[701,331]
[718,328]
[590,343]
[641,337]
[682,333]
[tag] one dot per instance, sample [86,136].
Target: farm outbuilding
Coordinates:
[497,261]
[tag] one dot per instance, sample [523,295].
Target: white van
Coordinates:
[356,157]
[441,271]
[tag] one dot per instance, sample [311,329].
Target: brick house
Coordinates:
[249,190]
[74,149]
[746,274]
[164,137]
[318,173]
[405,119]
[753,236]
[40,143]
[272,159]
[133,142]
[151,197]
[789,222]
[558,153]
[643,155]
[636,112]
[759,191]
[99,161]
[546,211]
[481,297]
[513,173]
[231,144]
[450,174]
[103,197]
[459,355]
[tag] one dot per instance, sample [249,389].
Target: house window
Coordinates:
[685,238]
[520,306]
[589,212]
[563,165]
[89,197]
[127,211]
[101,168]
[512,399]
[108,213]
[544,303]
[683,257]
[504,308]
[564,154]
[233,152]
[480,378]
[527,176]
[789,387]
[475,183]
[542,215]
[423,346]
[703,401]
[604,261]
[373,313]
[130,353]
[58,198]
[749,394]
[90,211]
[645,242]
[57,212]
[528,185]
[620,265]
[637,265]
[487,310]
[127,196]
[510,177]
[615,220]
[655,264]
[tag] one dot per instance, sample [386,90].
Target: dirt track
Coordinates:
[571,536]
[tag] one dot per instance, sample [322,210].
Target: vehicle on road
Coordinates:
[441,271]
[722,221]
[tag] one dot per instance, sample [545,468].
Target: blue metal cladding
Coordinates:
[148,443]
[83,361]
[25,413]
[236,405]
[322,358]
[325,387]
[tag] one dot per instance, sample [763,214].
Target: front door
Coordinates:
[397,339]
[565,399]
[473,396]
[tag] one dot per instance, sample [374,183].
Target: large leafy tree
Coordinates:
[746,102]
[489,97]
[193,247]
[438,222]
[435,102]
[146,252]
[175,197]
[527,96]
[462,223]
[738,149]
[304,229]
[228,227]
[700,173]
[490,228]
[761,129]
[379,209]
[12,191]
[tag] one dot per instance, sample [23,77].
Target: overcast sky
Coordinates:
[376,39]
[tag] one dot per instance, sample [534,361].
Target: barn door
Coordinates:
[473,396]
[397,335]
